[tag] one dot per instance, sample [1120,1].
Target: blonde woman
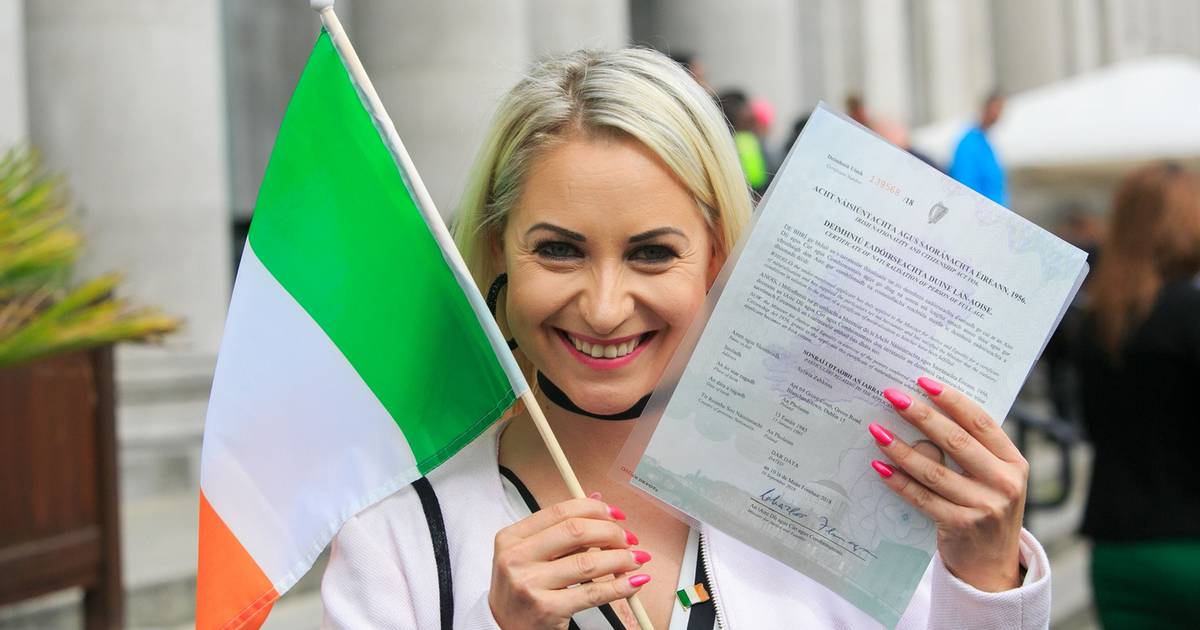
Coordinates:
[604,202]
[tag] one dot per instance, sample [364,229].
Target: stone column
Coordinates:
[1030,41]
[1125,24]
[14,125]
[267,43]
[831,55]
[127,101]
[1174,27]
[557,26]
[751,45]
[1085,35]
[887,57]
[440,68]
[957,61]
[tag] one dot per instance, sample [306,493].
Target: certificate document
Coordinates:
[865,268]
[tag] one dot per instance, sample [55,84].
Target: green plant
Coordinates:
[41,311]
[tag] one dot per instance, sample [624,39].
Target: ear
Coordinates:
[496,244]
[716,260]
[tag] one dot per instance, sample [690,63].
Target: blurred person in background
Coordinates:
[797,128]
[692,64]
[736,107]
[1140,364]
[762,113]
[856,110]
[1081,227]
[975,163]
[896,133]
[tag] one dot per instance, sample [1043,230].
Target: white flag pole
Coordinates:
[446,243]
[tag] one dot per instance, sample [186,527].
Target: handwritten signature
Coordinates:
[775,498]
[831,531]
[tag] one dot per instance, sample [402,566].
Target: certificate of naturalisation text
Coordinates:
[865,268]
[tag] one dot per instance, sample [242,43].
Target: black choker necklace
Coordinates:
[559,397]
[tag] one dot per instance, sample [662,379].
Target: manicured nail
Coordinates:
[630,538]
[899,399]
[616,513]
[883,469]
[639,580]
[931,387]
[881,435]
[641,557]
[594,495]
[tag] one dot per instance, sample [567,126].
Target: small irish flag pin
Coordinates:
[692,595]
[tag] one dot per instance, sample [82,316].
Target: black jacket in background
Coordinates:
[1143,418]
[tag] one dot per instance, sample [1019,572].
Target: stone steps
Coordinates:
[161,404]
[1071,601]
[1071,587]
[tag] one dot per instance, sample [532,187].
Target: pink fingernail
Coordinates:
[630,538]
[881,435]
[883,469]
[616,513]
[594,495]
[641,557]
[899,399]
[931,387]
[639,580]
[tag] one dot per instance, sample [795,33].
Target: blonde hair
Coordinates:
[633,92]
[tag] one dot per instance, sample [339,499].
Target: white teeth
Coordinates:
[612,351]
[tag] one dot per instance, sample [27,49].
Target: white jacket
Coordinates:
[382,573]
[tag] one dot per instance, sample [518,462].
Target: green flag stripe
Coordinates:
[336,226]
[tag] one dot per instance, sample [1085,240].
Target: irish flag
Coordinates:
[358,354]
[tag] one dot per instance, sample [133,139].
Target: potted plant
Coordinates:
[59,526]
[41,311]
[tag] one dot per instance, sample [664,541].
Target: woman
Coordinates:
[604,202]
[1140,365]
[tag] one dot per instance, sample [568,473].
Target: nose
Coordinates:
[606,302]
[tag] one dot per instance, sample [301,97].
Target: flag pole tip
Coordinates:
[320,5]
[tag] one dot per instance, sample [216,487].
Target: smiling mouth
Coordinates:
[606,351]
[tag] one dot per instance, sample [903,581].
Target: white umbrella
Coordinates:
[1134,111]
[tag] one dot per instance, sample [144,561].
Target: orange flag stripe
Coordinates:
[232,592]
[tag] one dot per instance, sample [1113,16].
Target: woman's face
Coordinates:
[608,259]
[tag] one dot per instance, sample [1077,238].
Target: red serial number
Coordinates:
[886,185]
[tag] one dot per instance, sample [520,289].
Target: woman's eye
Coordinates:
[557,250]
[653,254]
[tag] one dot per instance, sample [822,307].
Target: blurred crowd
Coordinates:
[1121,366]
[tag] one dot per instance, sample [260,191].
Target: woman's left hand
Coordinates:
[978,513]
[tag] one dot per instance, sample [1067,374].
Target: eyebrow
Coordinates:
[574,236]
[655,233]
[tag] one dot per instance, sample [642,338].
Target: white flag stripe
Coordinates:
[295,443]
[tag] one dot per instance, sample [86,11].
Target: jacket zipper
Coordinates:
[712,581]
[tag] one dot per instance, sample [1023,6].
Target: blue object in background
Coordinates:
[976,166]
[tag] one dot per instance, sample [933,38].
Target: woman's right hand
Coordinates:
[537,558]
